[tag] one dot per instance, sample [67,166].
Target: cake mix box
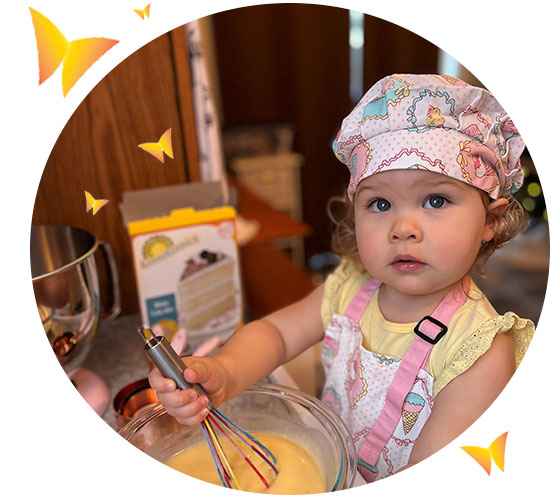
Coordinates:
[185,259]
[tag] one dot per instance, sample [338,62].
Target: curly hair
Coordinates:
[513,220]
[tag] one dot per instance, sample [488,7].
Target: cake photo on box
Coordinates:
[206,289]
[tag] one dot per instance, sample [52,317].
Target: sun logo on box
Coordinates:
[155,246]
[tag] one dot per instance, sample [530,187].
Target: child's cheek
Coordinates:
[371,252]
[457,251]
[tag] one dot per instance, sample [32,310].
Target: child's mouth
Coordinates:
[407,264]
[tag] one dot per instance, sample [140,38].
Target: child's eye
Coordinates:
[379,205]
[435,202]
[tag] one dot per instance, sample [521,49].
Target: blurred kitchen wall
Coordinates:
[291,63]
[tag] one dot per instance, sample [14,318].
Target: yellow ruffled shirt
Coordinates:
[470,331]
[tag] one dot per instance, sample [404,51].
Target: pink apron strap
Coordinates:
[358,304]
[428,332]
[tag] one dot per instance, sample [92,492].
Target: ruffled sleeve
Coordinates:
[520,329]
[341,286]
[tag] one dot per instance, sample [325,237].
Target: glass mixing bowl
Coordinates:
[262,408]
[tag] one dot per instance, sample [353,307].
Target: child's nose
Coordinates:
[405,227]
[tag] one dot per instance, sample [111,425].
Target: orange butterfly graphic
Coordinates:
[53,49]
[143,12]
[94,204]
[483,455]
[158,148]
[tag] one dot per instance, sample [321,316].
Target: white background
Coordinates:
[52,442]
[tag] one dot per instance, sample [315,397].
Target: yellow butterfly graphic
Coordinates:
[483,455]
[143,12]
[53,49]
[94,204]
[158,148]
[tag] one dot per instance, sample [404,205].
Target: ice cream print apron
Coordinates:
[384,401]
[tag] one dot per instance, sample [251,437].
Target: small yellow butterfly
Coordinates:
[156,149]
[143,12]
[54,49]
[483,455]
[94,204]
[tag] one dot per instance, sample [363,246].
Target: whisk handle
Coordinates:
[167,360]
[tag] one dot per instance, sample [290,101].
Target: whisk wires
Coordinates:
[261,450]
[231,430]
[224,478]
[241,453]
[221,458]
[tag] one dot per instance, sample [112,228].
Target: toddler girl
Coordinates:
[413,351]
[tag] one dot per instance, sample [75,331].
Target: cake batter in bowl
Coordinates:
[284,414]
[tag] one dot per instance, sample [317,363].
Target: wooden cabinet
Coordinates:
[98,151]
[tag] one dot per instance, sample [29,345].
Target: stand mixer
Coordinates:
[67,291]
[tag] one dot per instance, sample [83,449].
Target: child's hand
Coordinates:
[185,405]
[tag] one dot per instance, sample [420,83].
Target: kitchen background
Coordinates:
[281,78]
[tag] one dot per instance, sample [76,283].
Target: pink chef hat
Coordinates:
[435,123]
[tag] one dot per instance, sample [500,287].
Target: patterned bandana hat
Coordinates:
[434,123]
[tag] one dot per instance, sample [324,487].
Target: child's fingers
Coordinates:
[159,383]
[188,413]
[178,398]
[199,370]
[196,419]
[192,413]
[199,417]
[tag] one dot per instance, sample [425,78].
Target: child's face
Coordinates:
[419,232]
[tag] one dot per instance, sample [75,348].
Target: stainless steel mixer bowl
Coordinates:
[262,408]
[67,288]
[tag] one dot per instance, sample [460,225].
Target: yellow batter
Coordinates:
[298,472]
